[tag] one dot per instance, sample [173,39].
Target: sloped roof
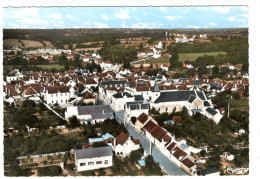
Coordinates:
[178,153]
[94,152]
[156,88]
[211,111]
[188,163]
[94,109]
[121,138]
[155,130]
[121,95]
[143,118]
[56,89]
[171,146]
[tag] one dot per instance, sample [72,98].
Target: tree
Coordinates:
[74,122]
[215,70]
[28,103]
[77,61]
[174,61]
[141,47]
[63,60]
[236,96]
[50,171]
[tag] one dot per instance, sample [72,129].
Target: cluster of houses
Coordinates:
[128,90]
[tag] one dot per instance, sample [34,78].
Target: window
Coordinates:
[51,95]
[106,161]
[90,163]
[56,94]
[158,109]
[56,101]
[65,94]
[98,162]
[82,164]
[166,109]
[52,102]
[61,101]
[61,94]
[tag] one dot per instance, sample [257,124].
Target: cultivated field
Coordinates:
[10,43]
[183,57]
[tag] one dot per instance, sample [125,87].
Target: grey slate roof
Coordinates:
[139,98]
[206,103]
[156,88]
[94,109]
[174,96]
[142,84]
[102,116]
[170,96]
[81,89]
[197,82]
[94,152]
[137,105]
[211,111]
[121,95]
[192,98]
[201,96]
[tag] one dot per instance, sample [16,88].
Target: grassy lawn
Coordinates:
[242,104]
[57,66]
[183,57]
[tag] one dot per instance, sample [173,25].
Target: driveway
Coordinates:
[167,165]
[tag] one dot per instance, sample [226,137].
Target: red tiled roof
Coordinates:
[88,95]
[56,89]
[142,118]
[136,141]
[172,87]
[121,138]
[188,163]
[176,118]
[171,146]
[155,130]
[179,153]
[143,88]
[167,139]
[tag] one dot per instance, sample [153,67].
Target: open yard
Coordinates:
[183,57]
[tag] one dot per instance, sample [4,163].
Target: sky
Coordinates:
[126,17]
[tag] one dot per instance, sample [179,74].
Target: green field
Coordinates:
[183,57]
[58,67]
[50,66]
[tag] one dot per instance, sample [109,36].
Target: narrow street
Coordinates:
[167,165]
[141,60]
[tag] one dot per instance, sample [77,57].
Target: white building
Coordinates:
[93,113]
[57,94]
[120,99]
[93,158]
[124,145]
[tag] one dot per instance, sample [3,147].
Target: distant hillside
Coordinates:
[63,34]
[10,43]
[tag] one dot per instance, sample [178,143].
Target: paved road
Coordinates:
[168,166]
[141,60]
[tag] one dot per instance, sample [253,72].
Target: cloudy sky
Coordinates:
[126,17]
